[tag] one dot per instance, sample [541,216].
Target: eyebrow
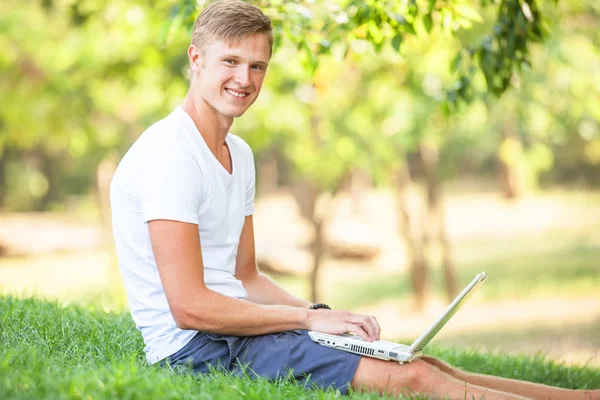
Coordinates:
[236,58]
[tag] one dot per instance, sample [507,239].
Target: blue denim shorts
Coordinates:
[273,356]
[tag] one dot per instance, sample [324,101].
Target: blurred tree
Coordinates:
[540,129]
[79,81]
[319,29]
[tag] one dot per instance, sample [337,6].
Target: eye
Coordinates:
[229,61]
[258,67]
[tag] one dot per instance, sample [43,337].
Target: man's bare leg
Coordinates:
[419,377]
[527,389]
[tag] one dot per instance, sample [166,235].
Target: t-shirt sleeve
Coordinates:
[250,184]
[171,187]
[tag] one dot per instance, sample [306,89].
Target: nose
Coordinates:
[242,76]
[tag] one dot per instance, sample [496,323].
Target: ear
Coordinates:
[195,58]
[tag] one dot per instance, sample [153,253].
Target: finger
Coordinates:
[365,323]
[377,327]
[358,330]
[374,327]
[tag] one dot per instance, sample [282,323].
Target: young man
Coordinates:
[182,200]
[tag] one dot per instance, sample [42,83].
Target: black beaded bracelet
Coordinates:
[316,306]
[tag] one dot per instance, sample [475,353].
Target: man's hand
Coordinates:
[336,322]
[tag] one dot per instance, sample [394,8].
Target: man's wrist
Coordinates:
[316,306]
[306,320]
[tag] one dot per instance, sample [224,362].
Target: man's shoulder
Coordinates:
[161,140]
[159,146]
[162,133]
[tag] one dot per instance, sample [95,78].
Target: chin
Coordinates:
[234,113]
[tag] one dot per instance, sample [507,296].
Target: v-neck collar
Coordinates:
[193,129]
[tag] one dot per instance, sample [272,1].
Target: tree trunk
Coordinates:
[417,260]
[317,219]
[306,195]
[3,164]
[104,173]
[359,182]
[448,264]
[436,222]
[318,250]
[51,169]
[508,159]
[267,176]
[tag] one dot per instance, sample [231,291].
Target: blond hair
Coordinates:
[230,21]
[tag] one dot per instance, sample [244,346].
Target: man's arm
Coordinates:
[178,255]
[261,289]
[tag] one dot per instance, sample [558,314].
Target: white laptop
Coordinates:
[395,351]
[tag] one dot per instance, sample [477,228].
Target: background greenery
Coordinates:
[82,79]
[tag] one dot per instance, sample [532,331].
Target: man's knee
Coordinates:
[420,375]
[391,377]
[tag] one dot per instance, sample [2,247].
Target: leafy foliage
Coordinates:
[84,79]
[331,26]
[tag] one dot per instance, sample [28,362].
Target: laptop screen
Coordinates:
[430,333]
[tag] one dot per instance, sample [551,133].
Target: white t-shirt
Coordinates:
[170,173]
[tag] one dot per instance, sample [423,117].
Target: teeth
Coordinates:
[231,92]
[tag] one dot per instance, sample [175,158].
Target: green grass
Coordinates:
[49,351]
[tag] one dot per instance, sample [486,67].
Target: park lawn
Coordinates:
[55,352]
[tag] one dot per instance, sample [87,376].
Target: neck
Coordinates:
[212,125]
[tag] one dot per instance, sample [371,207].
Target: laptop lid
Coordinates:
[430,333]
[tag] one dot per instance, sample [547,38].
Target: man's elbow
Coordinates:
[187,318]
[249,276]
[187,311]
[182,319]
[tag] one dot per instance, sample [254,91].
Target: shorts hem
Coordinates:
[344,382]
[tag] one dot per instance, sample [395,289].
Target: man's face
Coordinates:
[228,77]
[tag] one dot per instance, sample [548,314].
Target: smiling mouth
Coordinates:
[239,95]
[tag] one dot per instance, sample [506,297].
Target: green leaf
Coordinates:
[164,32]
[276,42]
[431,5]
[311,58]
[409,28]
[456,62]
[467,12]
[397,41]
[428,22]
[463,22]
[374,33]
